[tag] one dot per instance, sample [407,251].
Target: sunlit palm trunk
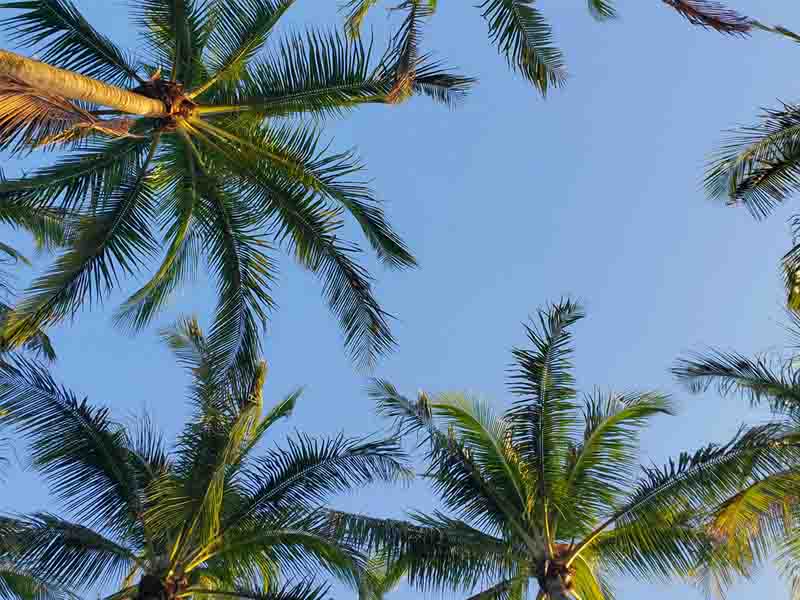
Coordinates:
[75,87]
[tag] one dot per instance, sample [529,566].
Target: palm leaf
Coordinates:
[521,33]
[85,458]
[309,471]
[241,28]
[759,166]
[712,15]
[117,239]
[543,418]
[730,372]
[64,553]
[603,468]
[63,37]
[601,10]
[176,32]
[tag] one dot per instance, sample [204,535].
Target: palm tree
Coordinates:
[520,32]
[215,517]
[199,141]
[548,495]
[763,520]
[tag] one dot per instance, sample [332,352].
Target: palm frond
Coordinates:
[29,116]
[356,13]
[179,205]
[459,482]
[521,33]
[759,166]
[235,252]
[542,420]
[485,438]
[304,590]
[176,32]
[297,153]
[307,472]
[325,73]
[451,555]
[116,239]
[707,477]
[308,227]
[712,15]
[48,226]
[759,380]
[15,584]
[602,470]
[241,28]
[85,457]
[601,10]
[64,553]
[405,46]
[59,33]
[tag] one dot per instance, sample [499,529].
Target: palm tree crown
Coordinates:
[549,494]
[195,143]
[217,516]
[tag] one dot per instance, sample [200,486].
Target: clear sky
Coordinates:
[508,202]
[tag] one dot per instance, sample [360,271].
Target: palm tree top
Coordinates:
[551,493]
[190,154]
[217,514]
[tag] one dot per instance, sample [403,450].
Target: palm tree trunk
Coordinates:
[76,87]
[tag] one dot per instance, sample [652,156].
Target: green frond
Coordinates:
[606,458]
[60,35]
[309,471]
[521,33]
[235,253]
[313,73]
[456,478]
[181,258]
[760,380]
[709,476]
[63,553]
[305,590]
[485,437]
[39,344]
[48,226]
[601,10]
[759,166]
[297,153]
[176,33]
[85,458]
[241,28]
[115,240]
[543,419]
[74,182]
[439,553]
[307,226]
[18,585]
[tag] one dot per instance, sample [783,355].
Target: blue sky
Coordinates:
[511,201]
